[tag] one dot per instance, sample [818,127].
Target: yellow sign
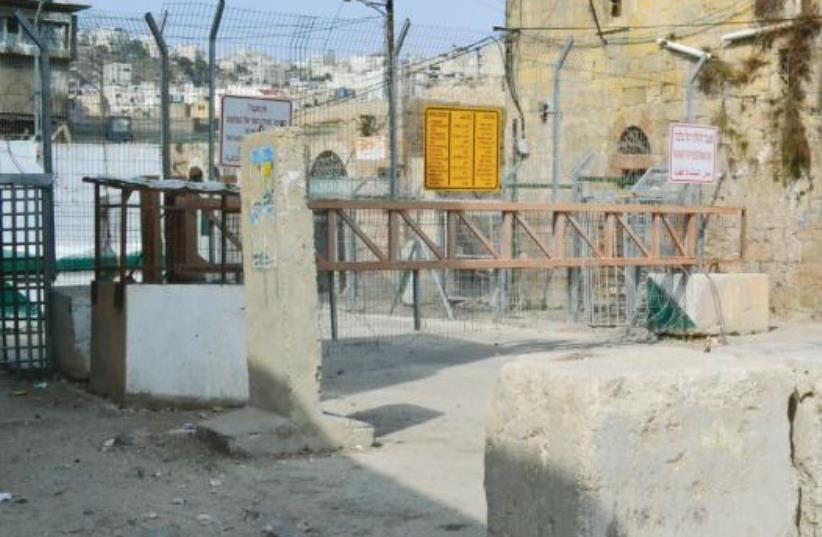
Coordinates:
[462,149]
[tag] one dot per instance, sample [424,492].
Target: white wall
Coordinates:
[74,200]
[186,343]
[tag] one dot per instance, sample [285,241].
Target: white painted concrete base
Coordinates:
[178,344]
[692,306]
[642,442]
[71,331]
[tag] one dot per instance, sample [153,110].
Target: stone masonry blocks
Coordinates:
[636,442]
[694,303]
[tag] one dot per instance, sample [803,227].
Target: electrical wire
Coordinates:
[629,27]
[701,25]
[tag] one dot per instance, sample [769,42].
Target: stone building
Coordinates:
[58,25]
[621,88]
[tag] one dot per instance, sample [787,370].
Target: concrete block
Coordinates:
[641,442]
[691,306]
[71,331]
[181,345]
[805,416]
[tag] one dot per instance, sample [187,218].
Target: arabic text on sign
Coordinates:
[461,149]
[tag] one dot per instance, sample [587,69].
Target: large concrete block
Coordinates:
[71,331]
[637,442]
[170,344]
[805,415]
[692,305]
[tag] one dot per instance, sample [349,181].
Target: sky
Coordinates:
[470,14]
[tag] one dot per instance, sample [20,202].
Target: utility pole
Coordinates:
[392,52]
[391,88]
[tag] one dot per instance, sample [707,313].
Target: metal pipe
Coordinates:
[332,305]
[689,103]
[212,85]
[38,95]
[165,95]
[563,55]
[98,248]
[417,300]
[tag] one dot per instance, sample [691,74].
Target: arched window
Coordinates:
[328,165]
[616,8]
[634,141]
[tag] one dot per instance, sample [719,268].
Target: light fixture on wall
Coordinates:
[684,49]
[749,33]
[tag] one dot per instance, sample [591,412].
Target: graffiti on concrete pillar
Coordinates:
[263,212]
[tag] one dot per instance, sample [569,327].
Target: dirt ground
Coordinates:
[78,465]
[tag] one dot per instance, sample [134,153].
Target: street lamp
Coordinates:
[392,52]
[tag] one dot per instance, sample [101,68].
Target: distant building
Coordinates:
[199,109]
[17,53]
[188,51]
[110,38]
[117,74]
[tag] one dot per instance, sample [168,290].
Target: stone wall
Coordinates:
[631,81]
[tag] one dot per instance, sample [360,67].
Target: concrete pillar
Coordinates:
[71,327]
[280,278]
[284,352]
[642,442]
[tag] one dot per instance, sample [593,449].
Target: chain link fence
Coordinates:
[108,121]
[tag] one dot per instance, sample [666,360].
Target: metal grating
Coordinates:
[26,269]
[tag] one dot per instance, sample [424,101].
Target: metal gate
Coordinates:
[26,271]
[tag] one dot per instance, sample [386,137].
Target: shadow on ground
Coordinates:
[161,482]
[354,366]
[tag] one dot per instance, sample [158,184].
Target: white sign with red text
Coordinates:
[693,153]
[241,116]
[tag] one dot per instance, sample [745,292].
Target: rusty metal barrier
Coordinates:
[503,235]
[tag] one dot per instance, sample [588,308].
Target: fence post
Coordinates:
[45,130]
[692,80]
[212,86]
[575,274]
[332,305]
[393,58]
[696,193]
[417,300]
[563,55]
[165,97]
[45,88]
